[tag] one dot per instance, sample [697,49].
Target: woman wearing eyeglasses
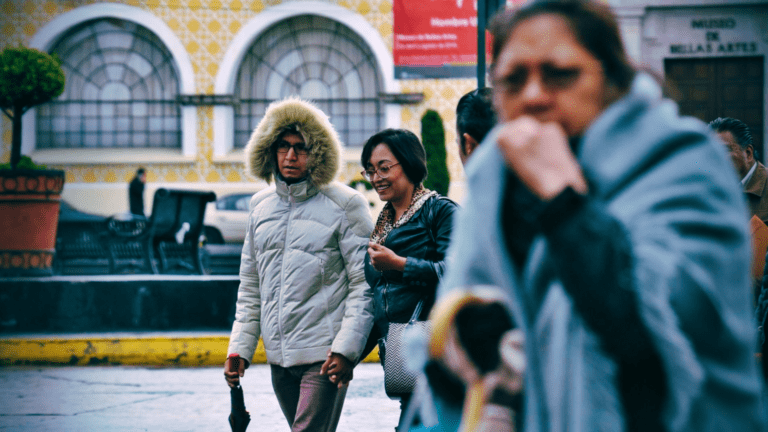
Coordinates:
[406,253]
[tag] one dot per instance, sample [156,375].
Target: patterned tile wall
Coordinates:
[205,28]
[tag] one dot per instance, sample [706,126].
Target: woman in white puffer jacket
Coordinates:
[302,285]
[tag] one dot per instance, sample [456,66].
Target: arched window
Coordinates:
[318,59]
[120,92]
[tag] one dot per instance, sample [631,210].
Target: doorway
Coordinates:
[708,88]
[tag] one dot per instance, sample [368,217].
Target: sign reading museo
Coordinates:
[435,38]
[714,42]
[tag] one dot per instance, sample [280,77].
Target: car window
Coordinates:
[237,202]
[242,203]
[225,203]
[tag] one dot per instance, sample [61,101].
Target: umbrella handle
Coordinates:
[234,365]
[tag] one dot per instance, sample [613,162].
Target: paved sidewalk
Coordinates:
[129,398]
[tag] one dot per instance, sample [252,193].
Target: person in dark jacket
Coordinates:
[474,119]
[406,252]
[136,192]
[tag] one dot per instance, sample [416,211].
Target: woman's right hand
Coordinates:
[383,259]
[541,157]
[234,368]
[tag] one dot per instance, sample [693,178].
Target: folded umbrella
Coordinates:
[473,337]
[239,417]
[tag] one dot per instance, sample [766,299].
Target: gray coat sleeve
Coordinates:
[246,328]
[358,312]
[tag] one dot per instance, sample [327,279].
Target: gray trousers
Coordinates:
[310,401]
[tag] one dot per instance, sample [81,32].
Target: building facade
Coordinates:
[712,55]
[176,86]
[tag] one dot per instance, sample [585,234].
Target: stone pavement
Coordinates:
[132,398]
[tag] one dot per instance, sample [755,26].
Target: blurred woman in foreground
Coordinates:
[616,228]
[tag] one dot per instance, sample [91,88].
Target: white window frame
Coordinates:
[44,40]
[224,116]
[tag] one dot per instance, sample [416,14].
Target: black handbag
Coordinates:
[399,379]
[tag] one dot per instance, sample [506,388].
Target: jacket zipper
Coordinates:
[282,275]
[384,293]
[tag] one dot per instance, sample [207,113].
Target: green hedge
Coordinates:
[433,137]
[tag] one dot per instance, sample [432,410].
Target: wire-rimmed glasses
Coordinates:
[382,171]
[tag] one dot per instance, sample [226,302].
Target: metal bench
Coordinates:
[223,259]
[81,243]
[129,245]
[167,242]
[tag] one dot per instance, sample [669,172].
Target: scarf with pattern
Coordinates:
[386,221]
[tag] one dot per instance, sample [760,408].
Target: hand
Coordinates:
[233,377]
[540,156]
[512,352]
[383,259]
[338,368]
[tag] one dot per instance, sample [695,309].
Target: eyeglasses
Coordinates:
[300,149]
[553,78]
[382,171]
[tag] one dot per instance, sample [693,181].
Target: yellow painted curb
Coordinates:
[140,351]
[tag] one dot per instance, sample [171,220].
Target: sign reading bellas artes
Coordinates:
[718,39]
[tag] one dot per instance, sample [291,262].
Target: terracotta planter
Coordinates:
[29,214]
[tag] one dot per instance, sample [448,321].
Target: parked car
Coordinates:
[227,218]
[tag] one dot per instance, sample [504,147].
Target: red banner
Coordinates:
[435,38]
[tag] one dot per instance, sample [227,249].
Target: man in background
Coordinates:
[753,174]
[136,192]
[474,118]
[738,141]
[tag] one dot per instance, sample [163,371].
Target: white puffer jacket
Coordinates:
[302,287]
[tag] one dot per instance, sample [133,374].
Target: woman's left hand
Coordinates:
[383,259]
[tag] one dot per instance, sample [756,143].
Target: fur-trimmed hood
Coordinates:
[324,156]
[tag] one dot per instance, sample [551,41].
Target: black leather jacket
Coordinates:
[423,240]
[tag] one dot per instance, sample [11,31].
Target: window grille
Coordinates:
[120,92]
[318,59]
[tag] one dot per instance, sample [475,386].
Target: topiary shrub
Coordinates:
[24,163]
[361,181]
[28,77]
[433,138]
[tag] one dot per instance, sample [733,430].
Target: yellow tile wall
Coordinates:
[205,28]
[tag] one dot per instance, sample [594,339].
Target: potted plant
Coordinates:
[29,194]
